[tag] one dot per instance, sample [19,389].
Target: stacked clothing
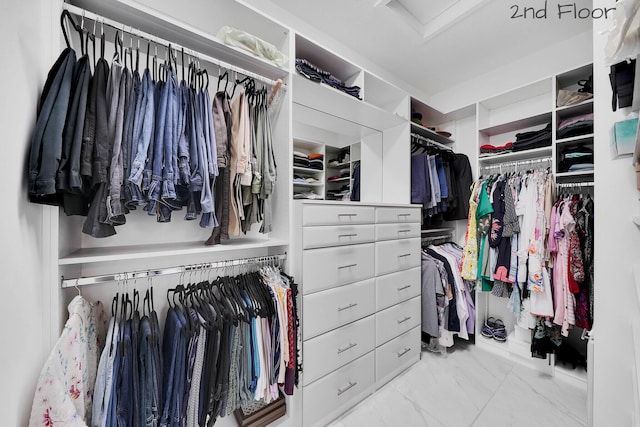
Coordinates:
[300,159]
[492,150]
[307,195]
[313,73]
[339,194]
[343,173]
[533,139]
[575,126]
[316,161]
[575,159]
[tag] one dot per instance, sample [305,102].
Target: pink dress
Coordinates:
[565,301]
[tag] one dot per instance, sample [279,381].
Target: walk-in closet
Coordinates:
[297,214]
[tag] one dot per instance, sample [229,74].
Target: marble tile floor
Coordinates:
[470,387]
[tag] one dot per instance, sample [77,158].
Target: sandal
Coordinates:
[500,335]
[495,324]
[487,331]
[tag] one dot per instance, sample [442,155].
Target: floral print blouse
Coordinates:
[64,391]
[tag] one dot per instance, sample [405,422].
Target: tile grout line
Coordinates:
[510,371]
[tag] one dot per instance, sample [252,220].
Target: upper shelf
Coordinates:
[160,23]
[515,125]
[536,153]
[428,133]
[330,108]
[137,252]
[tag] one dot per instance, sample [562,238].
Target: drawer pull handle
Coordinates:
[351,385]
[404,255]
[404,320]
[404,231]
[347,266]
[348,214]
[404,214]
[349,347]
[347,307]
[405,351]
[404,287]
[348,235]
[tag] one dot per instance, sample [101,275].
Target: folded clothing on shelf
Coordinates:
[313,73]
[533,139]
[316,156]
[493,149]
[307,195]
[575,126]
[301,161]
[574,156]
[317,164]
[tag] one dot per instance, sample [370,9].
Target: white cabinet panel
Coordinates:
[397,320]
[336,215]
[397,287]
[397,231]
[323,236]
[397,355]
[327,310]
[390,215]
[397,255]
[336,348]
[330,267]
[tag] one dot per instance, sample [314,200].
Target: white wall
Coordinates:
[25,28]
[616,251]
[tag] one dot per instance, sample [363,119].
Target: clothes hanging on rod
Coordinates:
[225,342]
[440,181]
[113,142]
[448,307]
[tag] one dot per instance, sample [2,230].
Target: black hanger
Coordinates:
[224,76]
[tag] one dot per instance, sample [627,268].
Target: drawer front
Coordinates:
[327,352]
[397,320]
[323,236]
[388,215]
[397,287]
[327,310]
[396,355]
[397,231]
[340,389]
[397,255]
[337,215]
[330,267]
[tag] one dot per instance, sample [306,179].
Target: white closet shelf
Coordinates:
[346,178]
[123,253]
[330,104]
[574,138]
[579,107]
[516,155]
[428,133]
[309,170]
[308,184]
[339,165]
[437,230]
[516,125]
[132,13]
[575,173]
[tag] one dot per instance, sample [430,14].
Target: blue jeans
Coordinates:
[143,124]
[149,396]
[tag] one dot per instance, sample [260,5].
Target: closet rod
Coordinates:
[85,14]
[575,184]
[517,163]
[419,138]
[119,277]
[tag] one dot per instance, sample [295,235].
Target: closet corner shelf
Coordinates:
[122,253]
[574,138]
[516,125]
[428,133]
[346,178]
[536,153]
[325,101]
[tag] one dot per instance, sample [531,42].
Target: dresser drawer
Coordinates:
[339,390]
[397,231]
[397,287]
[323,236]
[397,320]
[397,355]
[337,215]
[387,215]
[397,255]
[327,310]
[327,352]
[330,267]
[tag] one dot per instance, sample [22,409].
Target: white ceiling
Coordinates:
[435,44]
